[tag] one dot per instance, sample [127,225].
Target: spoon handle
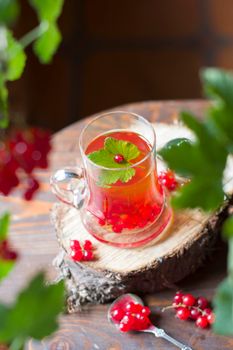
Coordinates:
[160,333]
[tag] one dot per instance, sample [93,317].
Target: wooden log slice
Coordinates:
[174,254]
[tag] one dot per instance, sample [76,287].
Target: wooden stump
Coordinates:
[170,257]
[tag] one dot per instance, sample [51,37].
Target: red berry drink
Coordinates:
[126,207]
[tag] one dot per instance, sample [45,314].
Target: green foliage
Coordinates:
[34,314]
[5,265]
[16,58]
[105,158]
[223,301]
[9,11]
[4,226]
[48,11]
[223,308]
[46,38]
[204,161]
[47,44]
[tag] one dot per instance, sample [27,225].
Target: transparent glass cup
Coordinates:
[123,213]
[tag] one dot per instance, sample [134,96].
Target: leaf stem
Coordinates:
[34,34]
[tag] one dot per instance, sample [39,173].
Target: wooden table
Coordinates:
[34,237]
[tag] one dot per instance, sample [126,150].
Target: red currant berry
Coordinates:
[128,321]
[188,300]
[202,303]
[101,222]
[207,312]
[211,318]
[178,298]
[10,255]
[75,245]
[77,255]
[167,178]
[87,245]
[142,322]
[117,228]
[202,322]
[183,313]
[117,314]
[118,158]
[87,255]
[194,313]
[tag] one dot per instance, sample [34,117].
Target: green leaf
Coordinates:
[218,84]
[105,158]
[16,58]
[34,314]
[203,160]
[227,229]
[46,45]
[48,10]
[4,226]
[127,149]
[223,308]
[5,267]
[9,11]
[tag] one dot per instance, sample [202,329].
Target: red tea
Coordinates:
[130,205]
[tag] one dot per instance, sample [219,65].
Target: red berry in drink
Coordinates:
[117,314]
[101,222]
[77,255]
[188,300]
[194,313]
[118,227]
[87,255]
[87,245]
[118,158]
[75,245]
[202,303]
[202,322]
[183,313]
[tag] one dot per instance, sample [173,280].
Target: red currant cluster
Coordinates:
[131,316]
[20,154]
[189,307]
[6,253]
[81,252]
[129,217]
[167,178]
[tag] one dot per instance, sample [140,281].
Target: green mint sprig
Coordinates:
[105,157]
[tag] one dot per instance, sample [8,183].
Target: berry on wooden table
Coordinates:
[188,300]
[81,252]
[183,313]
[167,179]
[202,322]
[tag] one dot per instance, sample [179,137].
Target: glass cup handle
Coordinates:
[69,186]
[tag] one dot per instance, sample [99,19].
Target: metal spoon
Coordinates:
[158,332]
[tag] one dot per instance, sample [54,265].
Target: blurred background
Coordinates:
[119,51]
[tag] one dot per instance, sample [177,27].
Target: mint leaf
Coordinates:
[125,148]
[4,226]
[34,314]
[16,58]
[105,157]
[47,44]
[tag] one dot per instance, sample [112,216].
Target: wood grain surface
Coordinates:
[33,236]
